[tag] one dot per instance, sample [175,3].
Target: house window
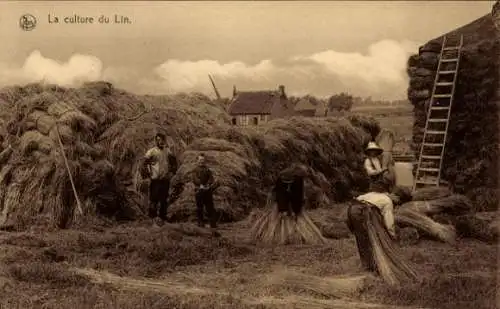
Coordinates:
[262,117]
[244,120]
[255,120]
[233,121]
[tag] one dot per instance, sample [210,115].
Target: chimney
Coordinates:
[282,90]
[234,90]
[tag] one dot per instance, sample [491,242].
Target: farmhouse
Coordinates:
[255,107]
[471,154]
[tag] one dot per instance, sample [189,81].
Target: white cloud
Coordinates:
[192,75]
[78,69]
[384,63]
[379,73]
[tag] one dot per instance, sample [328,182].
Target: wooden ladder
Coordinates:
[430,159]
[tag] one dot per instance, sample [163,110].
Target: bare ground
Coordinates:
[137,266]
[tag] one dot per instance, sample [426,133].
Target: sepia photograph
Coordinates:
[249,154]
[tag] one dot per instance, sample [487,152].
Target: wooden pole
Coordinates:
[215,88]
[79,205]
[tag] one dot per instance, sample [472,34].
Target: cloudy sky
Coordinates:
[320,48]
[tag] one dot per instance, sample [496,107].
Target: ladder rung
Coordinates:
[442,95]
[452,48]
[435,132]
[438,120]
[429,169]
[444,84]
[440,108]
[431,157]
[447,72]
[449,60]
[433,144]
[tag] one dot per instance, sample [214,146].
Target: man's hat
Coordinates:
[372,146]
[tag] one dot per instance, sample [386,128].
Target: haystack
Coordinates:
[471,156]
[246,159]
[45,127]
[182,118]
[103,132]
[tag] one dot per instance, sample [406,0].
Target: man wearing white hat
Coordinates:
[372,163]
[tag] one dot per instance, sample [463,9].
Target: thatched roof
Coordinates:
[256,102]
[475,32]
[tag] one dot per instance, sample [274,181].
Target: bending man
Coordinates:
[371,220]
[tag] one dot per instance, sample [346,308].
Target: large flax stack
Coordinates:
[244,160]
[471,156]
[45,128]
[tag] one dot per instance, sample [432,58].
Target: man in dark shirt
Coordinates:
[289,190]
[204,186]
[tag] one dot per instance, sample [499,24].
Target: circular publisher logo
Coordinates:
[27,22]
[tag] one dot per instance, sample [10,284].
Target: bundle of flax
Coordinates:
[423,223]
[454,204]
[338,287]
[431,193]
[385,140]
[386,255]
[274,227]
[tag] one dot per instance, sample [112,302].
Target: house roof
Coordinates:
[253,102]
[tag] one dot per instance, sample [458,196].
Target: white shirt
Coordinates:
[383,202]
[159,165]
[373,166]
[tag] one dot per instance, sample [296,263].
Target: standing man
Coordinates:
[160,164]
[372,164]
[204,187]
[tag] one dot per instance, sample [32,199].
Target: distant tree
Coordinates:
[293,101]
[340,102]
[314,101]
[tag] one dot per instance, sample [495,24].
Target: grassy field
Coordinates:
[398,118]
[180,266]
[136,266]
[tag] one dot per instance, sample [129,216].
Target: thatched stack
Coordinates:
[44,126]
[246,162]
[105,131]
[471,158]
[102,131]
